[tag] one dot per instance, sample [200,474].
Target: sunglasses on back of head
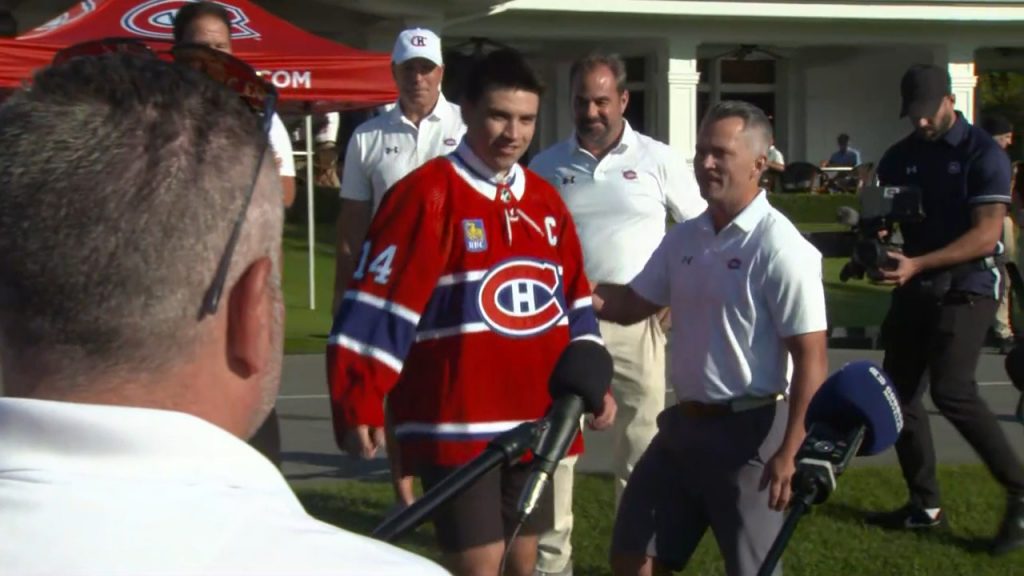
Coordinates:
[260,95]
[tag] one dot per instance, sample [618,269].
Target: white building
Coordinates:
[818,67]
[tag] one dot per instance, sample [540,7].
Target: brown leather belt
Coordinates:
[696,409]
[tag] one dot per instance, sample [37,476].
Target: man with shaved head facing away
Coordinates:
[129,392]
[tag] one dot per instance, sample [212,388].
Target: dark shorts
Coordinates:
[700,473]
[486,512]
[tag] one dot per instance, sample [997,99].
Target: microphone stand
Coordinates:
[826,453]
[504,450]
[804,496]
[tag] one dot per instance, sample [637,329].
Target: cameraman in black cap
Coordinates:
[948,281]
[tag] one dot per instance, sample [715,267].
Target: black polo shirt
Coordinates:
[961,170]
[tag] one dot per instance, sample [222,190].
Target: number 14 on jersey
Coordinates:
[380,267]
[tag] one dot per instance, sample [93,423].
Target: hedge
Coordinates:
[804,208]
[800,208]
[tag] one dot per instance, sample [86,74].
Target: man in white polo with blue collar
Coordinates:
[748,353]
[420,127]
[621,187]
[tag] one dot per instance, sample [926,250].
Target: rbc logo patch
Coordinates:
[519,298]
[476,238]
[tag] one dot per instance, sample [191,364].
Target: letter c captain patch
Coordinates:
[473,232]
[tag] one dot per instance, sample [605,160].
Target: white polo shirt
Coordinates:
[387,147]
[89,490]
[735,296]
[619,204]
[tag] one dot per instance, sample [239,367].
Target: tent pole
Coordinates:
[310,223]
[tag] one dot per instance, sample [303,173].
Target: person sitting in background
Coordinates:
[129,390]
[845,156]
[771,178]
[776,161]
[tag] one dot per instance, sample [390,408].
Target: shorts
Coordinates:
[486,512]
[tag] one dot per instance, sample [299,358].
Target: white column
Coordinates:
[959,59]
[678,109]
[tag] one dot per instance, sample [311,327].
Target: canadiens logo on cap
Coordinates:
[629,174]
[417,43]
[473,232]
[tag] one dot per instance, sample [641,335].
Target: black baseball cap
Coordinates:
[995,125]
[923,87]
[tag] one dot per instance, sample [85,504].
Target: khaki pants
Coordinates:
[639,390]
[1002,325]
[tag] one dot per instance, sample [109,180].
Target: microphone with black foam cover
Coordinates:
[577,385]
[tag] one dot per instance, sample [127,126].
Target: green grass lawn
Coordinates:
[855,303]
[830,540]
[306,330]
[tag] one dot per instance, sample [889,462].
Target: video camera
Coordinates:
[881,207]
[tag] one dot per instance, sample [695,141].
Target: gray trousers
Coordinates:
[702,472]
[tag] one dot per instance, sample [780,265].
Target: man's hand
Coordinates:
[606,418]
[778,477]
[363,441]
[906,268]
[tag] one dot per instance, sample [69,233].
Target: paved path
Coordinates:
[310,455]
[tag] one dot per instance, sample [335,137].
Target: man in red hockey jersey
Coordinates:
[469,287]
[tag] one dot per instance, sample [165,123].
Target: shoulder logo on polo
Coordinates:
[391,149]
[476,238]
[566,180]
[734,264]
[450,142]
[687,260]
[954,167]
[629,174]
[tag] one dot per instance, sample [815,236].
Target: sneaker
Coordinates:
[1011,531]
[909,517]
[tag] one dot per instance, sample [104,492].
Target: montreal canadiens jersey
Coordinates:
[465,295]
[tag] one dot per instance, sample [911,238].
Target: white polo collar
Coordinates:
[626,141]
[481,177]
[746,220]
[440,112]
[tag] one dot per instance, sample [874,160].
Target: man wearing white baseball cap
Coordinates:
[420,127]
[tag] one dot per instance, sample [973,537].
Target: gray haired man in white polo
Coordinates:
[748,353]
[621,187]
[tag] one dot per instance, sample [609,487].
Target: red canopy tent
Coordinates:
[310,72]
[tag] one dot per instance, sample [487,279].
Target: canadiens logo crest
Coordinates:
[155,19]
[519,297]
